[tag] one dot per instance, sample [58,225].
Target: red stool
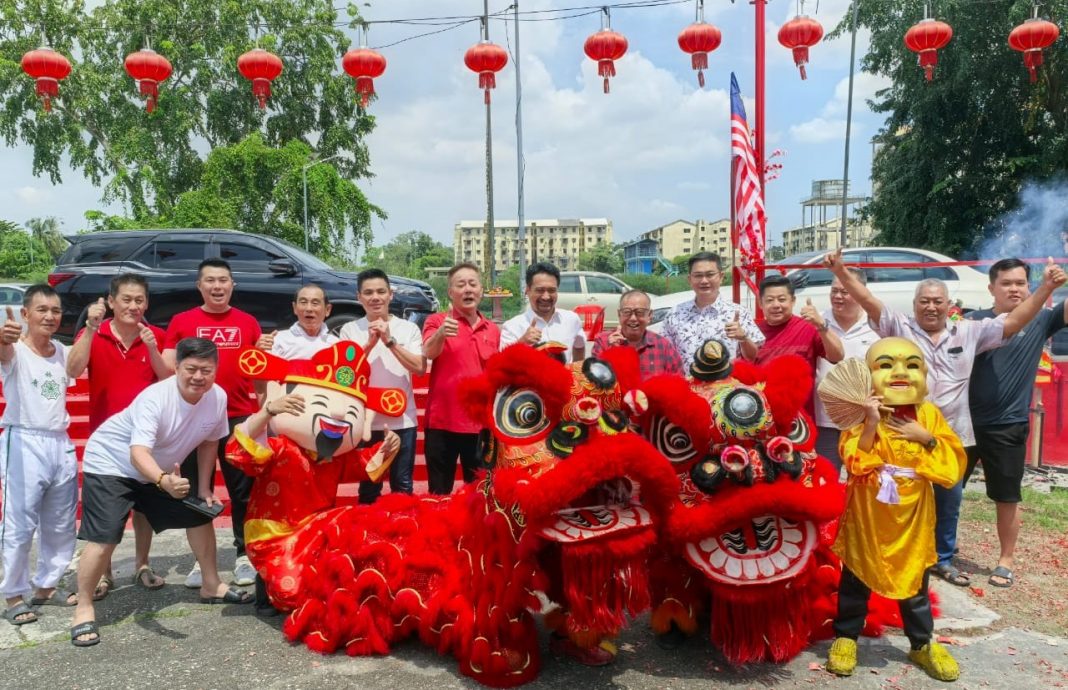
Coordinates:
[592,319]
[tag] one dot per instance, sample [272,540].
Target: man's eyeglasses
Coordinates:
[711,275]
[838,291]
[640,313]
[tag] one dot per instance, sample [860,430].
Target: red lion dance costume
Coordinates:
[753,523]
[554,513]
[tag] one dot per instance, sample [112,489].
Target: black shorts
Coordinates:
[1002,449]
[107,500]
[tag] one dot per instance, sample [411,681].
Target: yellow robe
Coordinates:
[890,546]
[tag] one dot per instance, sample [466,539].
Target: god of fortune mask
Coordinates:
[898,371]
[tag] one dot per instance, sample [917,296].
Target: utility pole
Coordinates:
[849,125]
[304,179]
[519,154]
[491,235]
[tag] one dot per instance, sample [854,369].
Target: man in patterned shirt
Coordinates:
[656,354]
[710,315]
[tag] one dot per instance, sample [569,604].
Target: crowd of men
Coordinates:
[158,428]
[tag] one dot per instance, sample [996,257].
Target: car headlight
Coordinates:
[660,314]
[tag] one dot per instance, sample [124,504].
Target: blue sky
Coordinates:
[656,149]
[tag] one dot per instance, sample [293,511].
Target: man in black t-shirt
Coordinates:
[1000,400]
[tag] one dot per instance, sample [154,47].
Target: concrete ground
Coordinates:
[168,639]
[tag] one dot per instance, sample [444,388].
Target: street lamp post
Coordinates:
[304,179]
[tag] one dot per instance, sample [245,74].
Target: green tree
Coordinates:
[16,258]
[955,151]
[147,161]
[46,231]
[409,254]
[604,257]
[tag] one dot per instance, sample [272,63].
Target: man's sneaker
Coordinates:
[842,658]
[194,580]
[933,658]
[244,573]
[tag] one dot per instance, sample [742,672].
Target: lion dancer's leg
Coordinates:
[679,594]
[599,583]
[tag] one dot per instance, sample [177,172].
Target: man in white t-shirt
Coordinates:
[309,334]
[396,352]
[848,321]
[542,322]
[38,468]
[134,461]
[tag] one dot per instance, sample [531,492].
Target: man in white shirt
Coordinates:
[38,468]
[309,333]
[848,321]
[134,461]
[395,348]
[542,322]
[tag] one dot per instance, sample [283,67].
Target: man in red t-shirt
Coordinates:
[806,336]
[231,330]
[459,342]
[126,344]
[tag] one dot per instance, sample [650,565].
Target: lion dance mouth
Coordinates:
[766,550]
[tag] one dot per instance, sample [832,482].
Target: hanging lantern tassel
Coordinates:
[606,69]
[1031,38]
[487,81]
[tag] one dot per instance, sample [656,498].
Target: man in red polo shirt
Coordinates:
[807,336]
[459,342]
[231,330]
[126,344]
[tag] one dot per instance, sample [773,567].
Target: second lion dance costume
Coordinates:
[886,536]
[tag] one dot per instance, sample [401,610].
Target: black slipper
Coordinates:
[232,596]
[87,628]
[950,574]
[59,597]
[11,615]
[1005,574]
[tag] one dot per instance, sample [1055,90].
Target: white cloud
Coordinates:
[818,131]
[33,196]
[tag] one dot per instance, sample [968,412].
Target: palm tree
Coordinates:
[46,230]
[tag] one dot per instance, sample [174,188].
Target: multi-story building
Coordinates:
[675,239]
[556,240]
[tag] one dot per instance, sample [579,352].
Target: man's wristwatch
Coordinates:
[267,408]
[823,328]
[930,445]
[391,342]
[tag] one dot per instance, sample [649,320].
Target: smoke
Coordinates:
[1036,228]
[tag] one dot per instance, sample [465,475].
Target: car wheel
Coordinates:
[335,322]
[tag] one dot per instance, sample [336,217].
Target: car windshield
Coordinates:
[309,260]
[803,258]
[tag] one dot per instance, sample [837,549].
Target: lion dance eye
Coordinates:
[519,413]
[671,440]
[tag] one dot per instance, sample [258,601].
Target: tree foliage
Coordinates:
[148,161]
[46,232]
[956,151]
[604,257]
[410,254]
[22,255]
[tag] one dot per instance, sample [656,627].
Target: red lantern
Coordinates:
[1031,38]
[148,68]
[261,68]
[364,65]
[487,59]
[47,67]
[799,34]
[699,39]
[606,46]
[926,38]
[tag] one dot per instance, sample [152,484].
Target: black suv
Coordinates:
[267,273]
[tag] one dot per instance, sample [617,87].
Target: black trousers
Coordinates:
[853,598]
[441,449]
[238,485]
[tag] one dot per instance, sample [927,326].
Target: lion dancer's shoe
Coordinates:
[584,646]
[842,657]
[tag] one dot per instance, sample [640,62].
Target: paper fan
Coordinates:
[845,391]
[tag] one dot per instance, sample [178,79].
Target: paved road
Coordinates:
[166,639]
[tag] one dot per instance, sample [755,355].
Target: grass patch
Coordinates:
[1047,511]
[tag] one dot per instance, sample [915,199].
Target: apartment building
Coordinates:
[556,240]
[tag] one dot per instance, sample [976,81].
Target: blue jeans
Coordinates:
[947,514]
[400,472]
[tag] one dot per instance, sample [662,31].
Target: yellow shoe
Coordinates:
[934,659]
[842,658]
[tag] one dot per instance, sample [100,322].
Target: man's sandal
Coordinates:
[87,628]
[1005,575]
[146,577]
[103,588]
[11,615]
[59,597]
[951,574]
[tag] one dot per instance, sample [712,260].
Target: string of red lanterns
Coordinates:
[48,67]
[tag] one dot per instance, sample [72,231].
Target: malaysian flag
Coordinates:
[748,198]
